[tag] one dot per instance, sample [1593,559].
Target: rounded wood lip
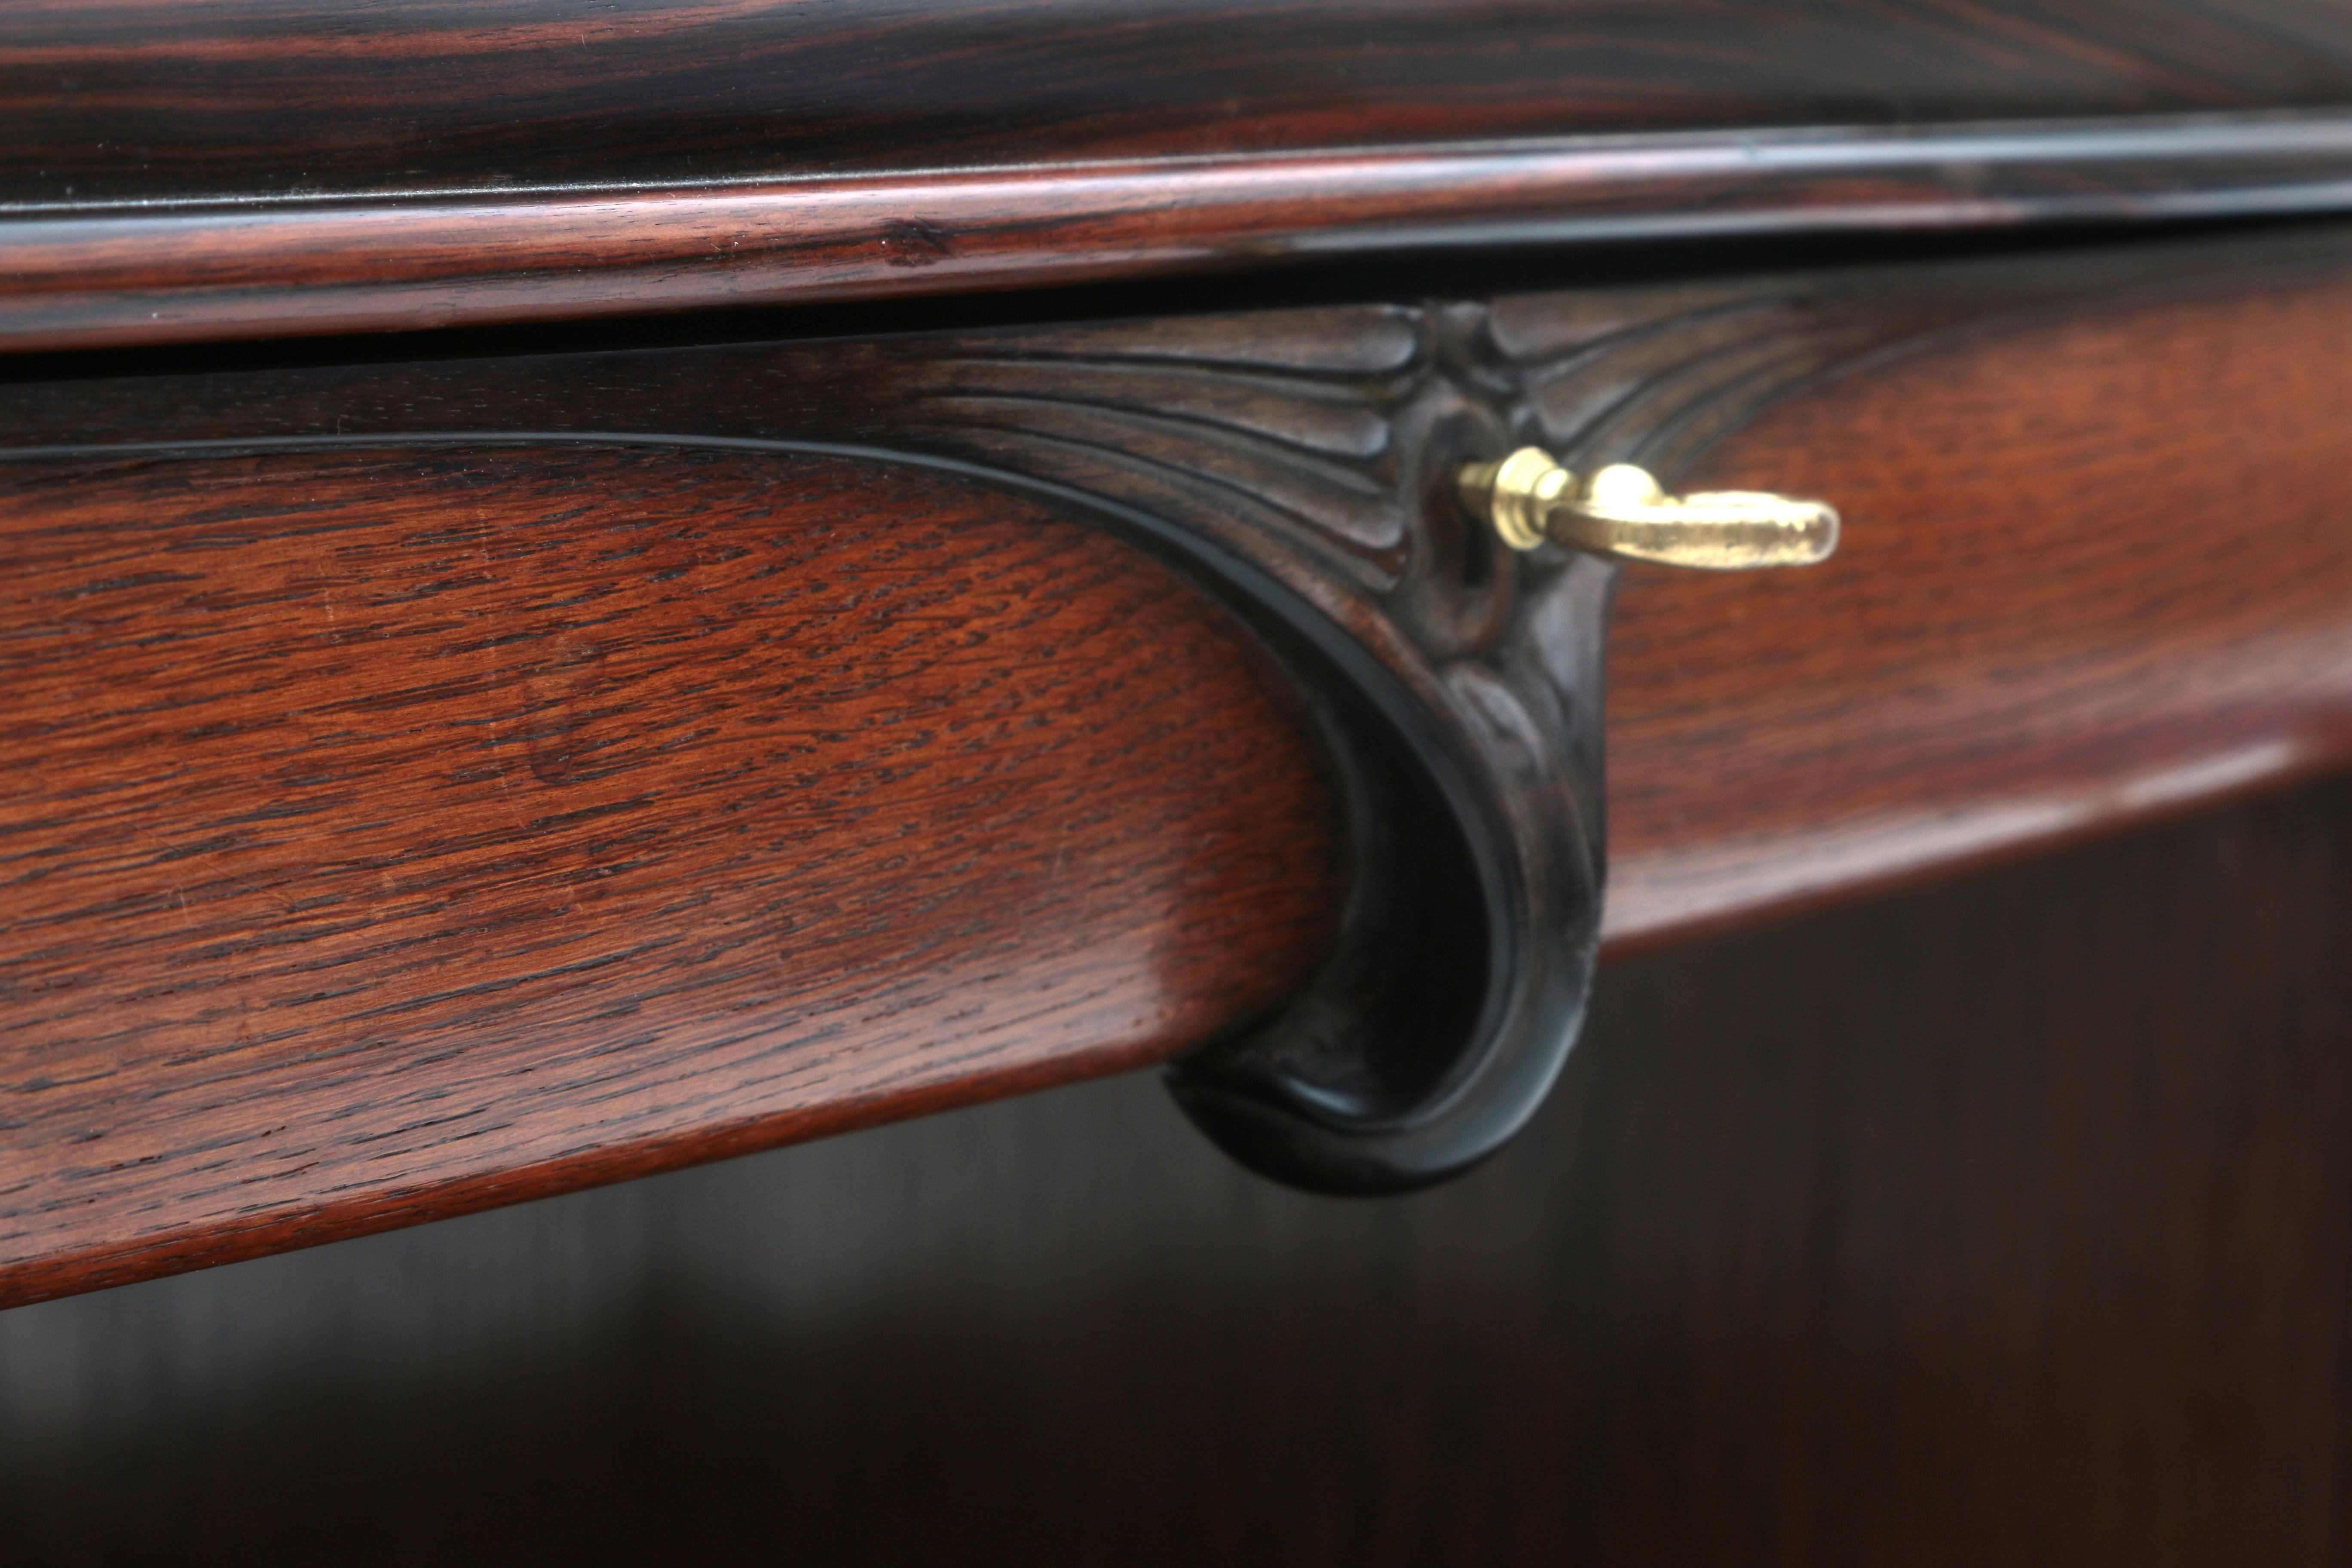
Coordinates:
[605,860]
[122,276]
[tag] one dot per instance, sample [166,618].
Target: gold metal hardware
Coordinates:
[1621,512]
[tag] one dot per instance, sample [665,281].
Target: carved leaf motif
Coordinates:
[1301,425]
[1288,424]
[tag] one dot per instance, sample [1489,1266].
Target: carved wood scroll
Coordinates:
[1300,464]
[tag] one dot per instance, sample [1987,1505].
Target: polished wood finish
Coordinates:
[395,833]
[428,785]
[2157,620]
[2094,565]
[2001,1223]
[258,169]
[2097,566]
[117,101]
[275,268]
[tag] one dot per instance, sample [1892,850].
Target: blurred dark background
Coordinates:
[2004,1221]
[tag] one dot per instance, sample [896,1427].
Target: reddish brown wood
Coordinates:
[2095,566]
[392,834]
[242,269]
[2054,609]
[260,168]
[2098,566]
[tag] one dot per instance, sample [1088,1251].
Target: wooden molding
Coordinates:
[142,100]
[80,278]
[2169,599]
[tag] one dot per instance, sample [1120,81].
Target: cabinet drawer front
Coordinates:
[444,782]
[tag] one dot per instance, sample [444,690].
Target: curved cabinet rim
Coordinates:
[93,276]
[1301,462]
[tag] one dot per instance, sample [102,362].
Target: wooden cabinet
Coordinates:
[650,586]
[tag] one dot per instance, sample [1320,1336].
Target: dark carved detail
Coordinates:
[1320,446]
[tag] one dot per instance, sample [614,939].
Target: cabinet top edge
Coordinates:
[118,276]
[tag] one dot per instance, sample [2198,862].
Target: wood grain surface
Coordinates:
[389,834]
[235,269]
[2097,568]
[2097,564]
[2098,512]
[275,168]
